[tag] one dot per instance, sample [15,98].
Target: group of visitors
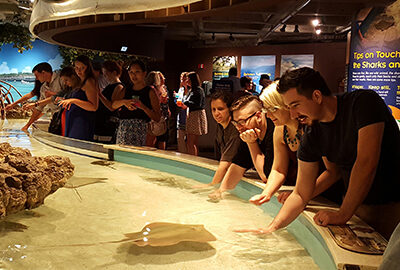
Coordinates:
[107,106]
[297,133]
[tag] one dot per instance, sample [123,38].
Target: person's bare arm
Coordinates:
[361,177]
[278,172]
[297,200]
[230,180]
[22,99]
[155,112]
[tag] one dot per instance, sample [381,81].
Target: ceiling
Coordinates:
[222,23]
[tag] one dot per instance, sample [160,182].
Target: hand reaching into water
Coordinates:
[216,195]
[259,199]
[259,231]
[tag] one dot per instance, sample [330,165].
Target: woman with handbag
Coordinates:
[157,134]
[196,122]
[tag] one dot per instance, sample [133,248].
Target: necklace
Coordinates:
[292,141]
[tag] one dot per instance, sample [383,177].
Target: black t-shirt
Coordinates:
[227,142]
[144,97]
[337,141]
[195,99]
[243,156]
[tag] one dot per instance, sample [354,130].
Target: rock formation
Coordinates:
[25,181]
[18,113]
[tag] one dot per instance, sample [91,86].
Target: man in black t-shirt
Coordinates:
[256,148]
[358,140]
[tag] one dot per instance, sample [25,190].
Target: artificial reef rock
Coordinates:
[18,113]
[25,181]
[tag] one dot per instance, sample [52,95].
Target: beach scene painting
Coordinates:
[289,62]
[16,68]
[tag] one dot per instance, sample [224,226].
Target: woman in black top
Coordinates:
[196,122]
[139,105]
[106,123]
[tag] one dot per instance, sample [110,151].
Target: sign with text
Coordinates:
[375,56]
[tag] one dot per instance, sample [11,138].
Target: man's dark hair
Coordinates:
[264,76]
[233,71]
[42,67]
[225,96]
[305,80]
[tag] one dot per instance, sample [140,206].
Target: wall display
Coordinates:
[375,55]
[289,62]
[254,66]
[16,68]
[222,64]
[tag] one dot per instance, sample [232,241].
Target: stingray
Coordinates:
[160,234]
[104,163]
[167,234]
[76,181]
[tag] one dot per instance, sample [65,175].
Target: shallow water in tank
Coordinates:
[104,201]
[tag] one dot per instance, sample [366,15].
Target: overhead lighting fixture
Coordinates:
[296,29]
[318,31]
[315,22]
[213,36]
[283,29]
[231,38]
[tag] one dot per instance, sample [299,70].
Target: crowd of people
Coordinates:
[109,103]
[296,132]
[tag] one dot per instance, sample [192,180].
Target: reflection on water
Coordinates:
[114,202]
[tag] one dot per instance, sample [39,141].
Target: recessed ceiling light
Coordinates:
[315,22]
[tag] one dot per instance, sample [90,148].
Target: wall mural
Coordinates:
[16,68]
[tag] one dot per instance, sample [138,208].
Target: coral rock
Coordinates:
[25,181]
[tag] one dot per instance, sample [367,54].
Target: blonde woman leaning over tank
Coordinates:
[287,136]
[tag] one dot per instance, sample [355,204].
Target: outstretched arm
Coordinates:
[295,203]
[230,180]
[361,177]
[22,99]
[278,172]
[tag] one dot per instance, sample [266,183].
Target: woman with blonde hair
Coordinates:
[156,80]
[287,136]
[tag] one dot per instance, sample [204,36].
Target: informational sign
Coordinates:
[222,64]
[375,56]
[254,66]
[289,62]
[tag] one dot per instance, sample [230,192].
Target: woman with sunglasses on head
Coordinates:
[286,140]
[83,103]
